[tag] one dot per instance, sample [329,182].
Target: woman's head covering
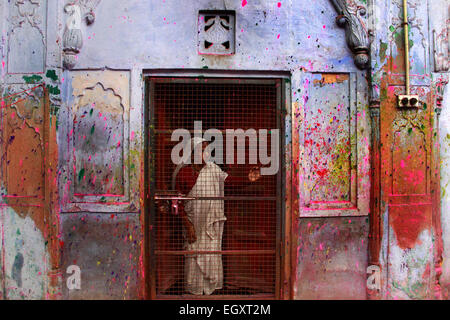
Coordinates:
[194,142]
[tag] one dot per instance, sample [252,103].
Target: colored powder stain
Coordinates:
[132,135]
[279,4]
[324,27]
[278,36]
[244,3]
[37,130]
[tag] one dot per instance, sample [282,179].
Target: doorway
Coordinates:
[247,262]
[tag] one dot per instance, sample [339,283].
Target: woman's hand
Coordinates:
[190,232]
[254,174]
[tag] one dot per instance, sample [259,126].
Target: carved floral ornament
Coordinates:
[73,35]
[216,32]
[26,12]
[356,34]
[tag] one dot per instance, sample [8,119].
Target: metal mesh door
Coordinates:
[236,232]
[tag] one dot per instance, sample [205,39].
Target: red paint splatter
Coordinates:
[278,36]
[408,222]
[244,3]
[279,4]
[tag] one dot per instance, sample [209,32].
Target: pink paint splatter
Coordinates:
[279,4]
[244,3]
[278,36]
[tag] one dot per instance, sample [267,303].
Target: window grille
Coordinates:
[244,260]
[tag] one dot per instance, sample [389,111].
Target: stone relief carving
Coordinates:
[356,34]
[216,32]
[98,117]
[27,36]
[26,100]
[414,19]
[73,35]
[27,12]
[442,48]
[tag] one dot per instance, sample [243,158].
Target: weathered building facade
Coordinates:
[363,188]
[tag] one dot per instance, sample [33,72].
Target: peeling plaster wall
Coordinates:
[25,257]
[445,191]
[101,230]
[406,232]
[107,250]
[332,256]
[268,37]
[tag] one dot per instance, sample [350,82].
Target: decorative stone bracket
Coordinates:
[356,35]
[73,36]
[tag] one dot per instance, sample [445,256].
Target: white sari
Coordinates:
[204,272]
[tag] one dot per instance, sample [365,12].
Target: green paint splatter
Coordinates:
[383,93]
[91,112]
[391,28]
[53,90]
[52,75]
[81,174]
[410,131]
[383,48]
[93,129]
[32,79]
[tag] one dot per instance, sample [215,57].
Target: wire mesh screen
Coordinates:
[214,223]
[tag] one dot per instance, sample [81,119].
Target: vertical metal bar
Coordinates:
[150,187]
[278,225]
[406,30]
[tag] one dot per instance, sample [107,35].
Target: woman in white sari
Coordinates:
[203,221]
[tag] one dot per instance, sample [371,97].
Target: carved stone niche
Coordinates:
[216,32]
[73,36]
[356,35]
[442,47]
